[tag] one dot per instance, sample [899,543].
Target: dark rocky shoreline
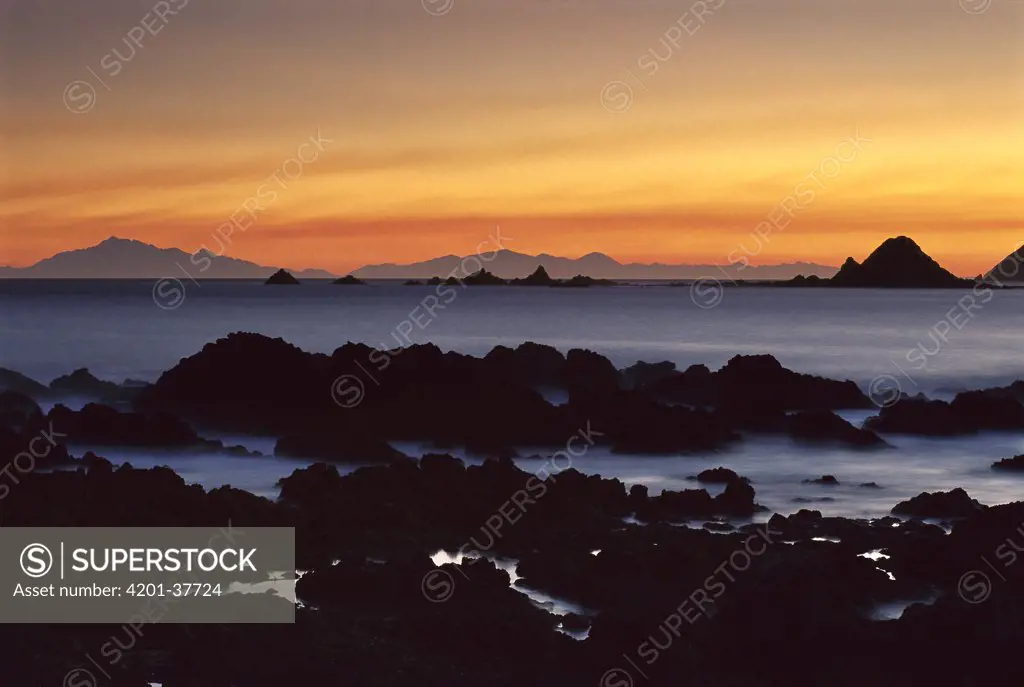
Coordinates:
[662,603]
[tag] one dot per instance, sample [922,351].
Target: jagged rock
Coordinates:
[15,381]
[737,500]
[826,480]
[752,387]
[1015,464]
[318,483]
[281,277]
[539,277]
[528,363]
[82,383]
[16,409]
[718,476]
[481,278]
[99,425]
[917,416]
[824,426]
[897,263]
[635,425]
[345,448]
[643,375]
[583,281]
[762,379]
[696,385]
[984,410]
[589,374]
[968,413]
[348,280]
[941,504]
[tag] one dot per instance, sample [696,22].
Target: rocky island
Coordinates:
[899,263]
[281,278]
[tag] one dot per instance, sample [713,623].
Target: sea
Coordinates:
[936,342]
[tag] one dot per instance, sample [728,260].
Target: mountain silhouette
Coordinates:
[897,263]
[1009,269]
[117,258]
[508,264]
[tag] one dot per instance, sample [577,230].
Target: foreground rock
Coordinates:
[759,384]
[824,480]
[1015,464]
[422,394]
[379,610]
[83,384]
[419,393]
[822,426]
[101,426]
[718,476]
[941,504]
[736,501]
[345,448]
[15,381]
[969,412]
[17,409]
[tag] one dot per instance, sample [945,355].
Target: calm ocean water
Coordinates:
[118,331]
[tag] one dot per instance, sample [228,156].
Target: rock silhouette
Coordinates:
[374,602]
[281,278]
[349,280]
[897,263]
[1008,269]
[1015,464]
[539,277]
[941,504]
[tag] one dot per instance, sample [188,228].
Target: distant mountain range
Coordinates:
[117,258]
[897,262]
[508,264]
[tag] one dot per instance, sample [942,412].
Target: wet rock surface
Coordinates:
[675,584]
[941,504]
[372,592]
[1015,464]
[969,412]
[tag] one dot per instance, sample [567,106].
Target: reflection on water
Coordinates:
[842,333]
[893,610]
[877,555]
[545,602]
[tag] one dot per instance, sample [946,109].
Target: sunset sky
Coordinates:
[575,125]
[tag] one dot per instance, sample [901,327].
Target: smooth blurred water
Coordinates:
[116,329]
[776,467]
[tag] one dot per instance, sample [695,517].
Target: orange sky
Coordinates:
[445,126]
